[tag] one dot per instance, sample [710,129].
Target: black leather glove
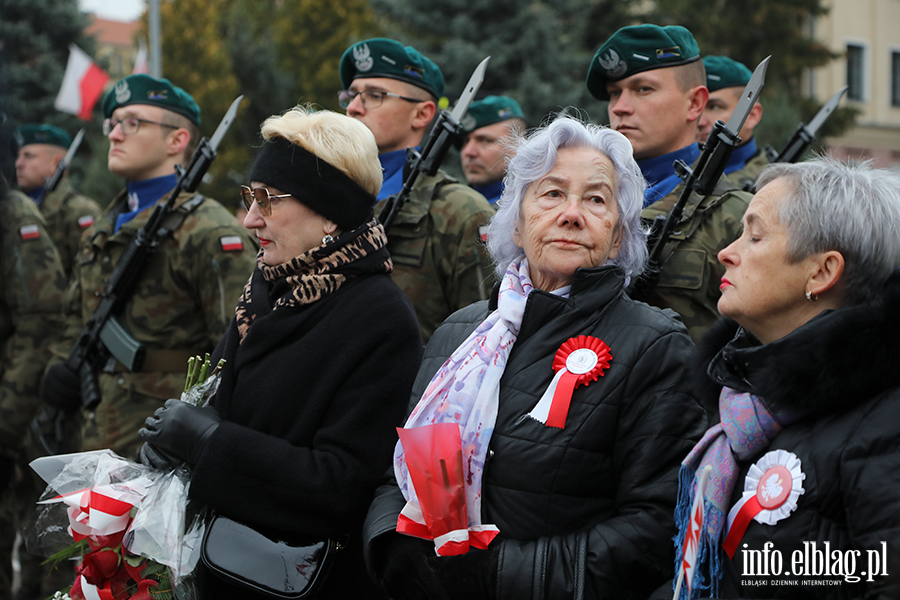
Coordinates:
[61,388]
[180,430]
[403,569]
[157,459]
[7,472]
[472,575]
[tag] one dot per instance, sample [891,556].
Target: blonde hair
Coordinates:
[341,141]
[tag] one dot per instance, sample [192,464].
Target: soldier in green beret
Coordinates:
[655,83]
[726,80]
[39,149]
[488,128]
[435,241]
[31,298]
[184,298]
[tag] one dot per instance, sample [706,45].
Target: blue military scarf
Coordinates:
[392,164]
[491,191]
[660,172]
[740,156]
[144,194]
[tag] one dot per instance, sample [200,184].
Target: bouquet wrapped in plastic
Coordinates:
[131,524]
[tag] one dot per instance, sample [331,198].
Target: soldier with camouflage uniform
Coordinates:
[726,80]
[186,295]
[655,83]
[31,298]
[435,241]
[39,149]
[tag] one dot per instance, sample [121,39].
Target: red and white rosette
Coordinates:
[579,361]
[771,489]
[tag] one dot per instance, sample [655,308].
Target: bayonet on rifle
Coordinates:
[803,136]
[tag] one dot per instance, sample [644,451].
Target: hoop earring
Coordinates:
[327,239]
[811,297]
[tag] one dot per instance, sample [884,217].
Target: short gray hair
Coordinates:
[851,208]
[535,156]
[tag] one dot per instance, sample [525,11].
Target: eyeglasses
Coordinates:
[263,199]
[370,98]
[130,125]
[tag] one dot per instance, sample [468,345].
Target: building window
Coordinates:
[855,72]
[895,78]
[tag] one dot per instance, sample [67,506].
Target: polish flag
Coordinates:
[141,64]
[82,85]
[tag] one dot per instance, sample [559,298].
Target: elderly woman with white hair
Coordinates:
[571,399]
[804,493]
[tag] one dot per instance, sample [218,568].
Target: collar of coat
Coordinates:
[832,363]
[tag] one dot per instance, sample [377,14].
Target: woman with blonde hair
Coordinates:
[321,353]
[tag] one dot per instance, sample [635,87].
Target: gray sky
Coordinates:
[117,10]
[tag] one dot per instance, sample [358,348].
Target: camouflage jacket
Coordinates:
[68,215]
[691,275]
[440,260]
[31,296]
[182,306]
[746,177]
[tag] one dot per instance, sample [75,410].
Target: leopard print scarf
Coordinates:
[313,275]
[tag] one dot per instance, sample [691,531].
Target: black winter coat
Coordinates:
[585,511]
[843,368]
[310,401]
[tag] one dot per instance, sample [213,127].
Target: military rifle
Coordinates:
[722,141]
[804,135]
[428,161]
[52,182]
[103,341]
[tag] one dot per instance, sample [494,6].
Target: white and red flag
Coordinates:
[82,85]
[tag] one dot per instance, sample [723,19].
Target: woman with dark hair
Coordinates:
[322,351]
[805,461]
[571,399]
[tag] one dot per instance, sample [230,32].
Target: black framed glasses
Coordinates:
[262,197]
[370,98]
[130,125]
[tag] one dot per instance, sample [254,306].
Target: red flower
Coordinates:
[100,565]
[75,593]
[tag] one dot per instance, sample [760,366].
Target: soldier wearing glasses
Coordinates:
[185,298]
[435,241]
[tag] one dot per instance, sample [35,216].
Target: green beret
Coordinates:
[143,89]
[490,110]
[32,133]
[636,49]
[722,72]
[381,57]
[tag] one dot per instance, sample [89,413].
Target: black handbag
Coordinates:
[244,557]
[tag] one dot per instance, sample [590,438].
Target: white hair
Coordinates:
[535,155]
[851,208]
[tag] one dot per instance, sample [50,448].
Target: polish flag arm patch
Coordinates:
[231,243]
[85,221]
[30,232]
